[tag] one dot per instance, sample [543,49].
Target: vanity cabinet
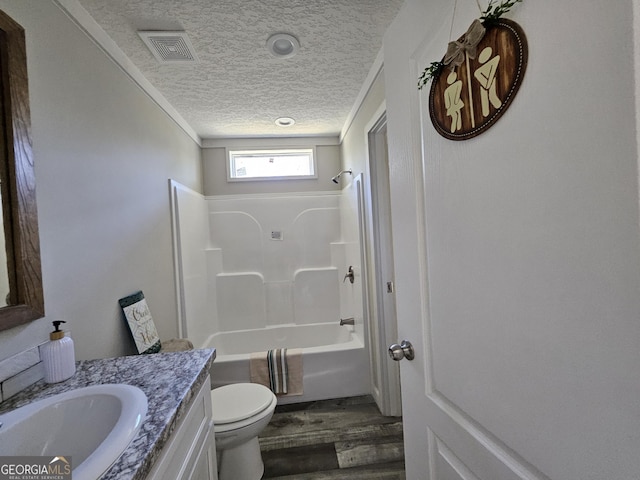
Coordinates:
[190,452]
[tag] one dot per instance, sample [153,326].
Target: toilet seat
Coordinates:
[235,405]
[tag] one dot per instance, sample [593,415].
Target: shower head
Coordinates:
[337,177]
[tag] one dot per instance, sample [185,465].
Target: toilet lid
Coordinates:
[239,401]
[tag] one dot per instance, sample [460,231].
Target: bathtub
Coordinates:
[335,363]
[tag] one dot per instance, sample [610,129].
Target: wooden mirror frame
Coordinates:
[20,214]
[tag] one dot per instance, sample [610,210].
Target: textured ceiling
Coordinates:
[238,88]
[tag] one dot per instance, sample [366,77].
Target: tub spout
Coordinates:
[347,321]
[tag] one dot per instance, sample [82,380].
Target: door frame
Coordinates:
[378,247]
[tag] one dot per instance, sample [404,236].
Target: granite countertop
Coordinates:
[169,380]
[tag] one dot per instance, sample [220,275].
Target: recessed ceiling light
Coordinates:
[283,45]
[285,121]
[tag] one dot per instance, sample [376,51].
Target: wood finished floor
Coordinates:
[334,439]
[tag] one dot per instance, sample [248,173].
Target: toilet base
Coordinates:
[241,462]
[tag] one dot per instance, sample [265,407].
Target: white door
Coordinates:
[517,260]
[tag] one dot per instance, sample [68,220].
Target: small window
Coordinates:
[289,163]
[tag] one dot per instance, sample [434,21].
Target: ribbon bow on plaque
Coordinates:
[456,50]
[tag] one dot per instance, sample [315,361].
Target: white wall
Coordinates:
[636,49]
[354,147]
[354,153]
[103,152]
[214,159]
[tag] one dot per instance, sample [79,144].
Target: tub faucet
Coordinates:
[347,321]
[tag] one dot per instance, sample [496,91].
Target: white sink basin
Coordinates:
[93,425]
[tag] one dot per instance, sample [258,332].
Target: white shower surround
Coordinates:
[261,282]
[233,278]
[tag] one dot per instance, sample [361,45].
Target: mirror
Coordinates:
[25,298]
[4,272]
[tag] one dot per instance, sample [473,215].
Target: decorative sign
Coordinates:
[143,329]
[480,76]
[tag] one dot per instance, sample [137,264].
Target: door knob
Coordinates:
[404,350]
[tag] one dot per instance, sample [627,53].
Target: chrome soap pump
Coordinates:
[58,356]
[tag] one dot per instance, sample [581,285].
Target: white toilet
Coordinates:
[240,413]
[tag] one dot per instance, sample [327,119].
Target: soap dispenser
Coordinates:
[58,356]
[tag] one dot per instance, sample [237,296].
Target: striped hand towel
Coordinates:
[279,369]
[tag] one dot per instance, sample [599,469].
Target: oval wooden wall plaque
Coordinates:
[467,101]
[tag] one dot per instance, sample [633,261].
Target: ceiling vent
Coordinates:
[169,47]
